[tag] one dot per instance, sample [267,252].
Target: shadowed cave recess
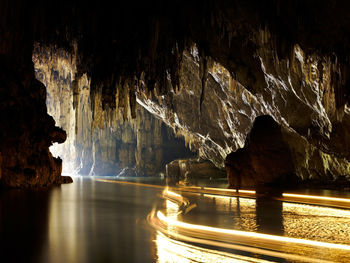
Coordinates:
[259,89]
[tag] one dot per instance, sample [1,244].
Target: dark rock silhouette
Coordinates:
[265,158]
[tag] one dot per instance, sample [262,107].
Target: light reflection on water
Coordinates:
[282,245]
[90,221]
[313,222]
[65,222]
[243,211]
[258,215]
[282,218]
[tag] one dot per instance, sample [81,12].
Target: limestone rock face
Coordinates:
[314,164]
[297,92]
[276,155]
[27,131]
[210,109]
[103,136]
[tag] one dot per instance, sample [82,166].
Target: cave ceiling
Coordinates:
[125,41]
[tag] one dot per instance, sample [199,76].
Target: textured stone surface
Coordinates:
[103,138]
[298,93]
[276,155]
[27,131]
[312,163]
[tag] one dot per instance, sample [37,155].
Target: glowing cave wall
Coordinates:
[101,140]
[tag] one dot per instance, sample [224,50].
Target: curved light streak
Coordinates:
[217,243]
[238,233]
[175,197]
[182,252]
[252,242]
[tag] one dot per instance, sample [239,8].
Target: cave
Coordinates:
[221,109]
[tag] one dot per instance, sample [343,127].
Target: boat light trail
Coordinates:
[325,198]
[175,197]
[246,191]
[173,231]
[239,233]
[172,194]
[219,189]
[182,252]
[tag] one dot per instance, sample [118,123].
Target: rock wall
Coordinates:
[27,131]
[102,139]
[275,155]
[298,93]
[213,117]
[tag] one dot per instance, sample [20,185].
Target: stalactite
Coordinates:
[126,100]
[132,100]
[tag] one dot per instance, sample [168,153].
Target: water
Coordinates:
[87,221]
[93,221]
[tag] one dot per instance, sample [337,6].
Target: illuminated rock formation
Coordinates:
[102,140]
[214,124]
[298,93]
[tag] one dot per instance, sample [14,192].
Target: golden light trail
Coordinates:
[172,194]
[238,233]
[219,189]
[246,191]
[225,190]
[254,250]
[326,198]
[287,197]
[177,198]
[195,187]
[169,250]
[252,242]
[219,197]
